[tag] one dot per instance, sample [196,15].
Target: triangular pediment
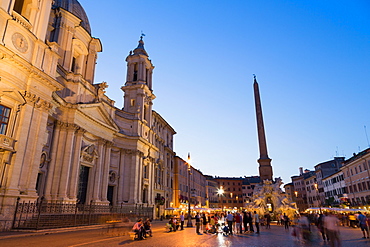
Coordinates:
[98,113]
[12,93]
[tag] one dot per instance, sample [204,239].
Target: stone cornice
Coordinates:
[70,126]
[8,56]
[32,98]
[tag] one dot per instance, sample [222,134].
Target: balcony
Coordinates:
[6,143]
[21,20]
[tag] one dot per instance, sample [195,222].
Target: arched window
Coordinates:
[135,72]
[79,52]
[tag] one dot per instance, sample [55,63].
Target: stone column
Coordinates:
[15,169]
[151,181]
[134,177]
[140,72]
[38,142]
[55,177]
[66,162]
[75,166]
[105,172]
[120,183]
[53,157]
[97,173]
[127,175]
[140,177]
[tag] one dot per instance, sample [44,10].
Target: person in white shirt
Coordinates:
[256,219]
[182,219]
[230,219]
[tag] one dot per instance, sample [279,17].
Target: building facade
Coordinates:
[324,170]
[61,138]
[334,189]
[356,172]
[233,194]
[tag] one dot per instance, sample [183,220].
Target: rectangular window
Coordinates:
[4,119]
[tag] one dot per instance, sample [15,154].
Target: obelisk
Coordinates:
[264,161]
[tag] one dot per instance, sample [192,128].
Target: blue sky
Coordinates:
[311,58]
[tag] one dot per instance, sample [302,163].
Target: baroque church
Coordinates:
[61,138]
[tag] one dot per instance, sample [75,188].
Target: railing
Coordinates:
[21,20]
[44,215]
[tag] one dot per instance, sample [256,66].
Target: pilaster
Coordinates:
[75,166]
[105,171]
[66,162]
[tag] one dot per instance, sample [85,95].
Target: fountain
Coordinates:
[269,198]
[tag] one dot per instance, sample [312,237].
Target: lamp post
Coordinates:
[189,224]
[296,198]
[220,192]
[318,197]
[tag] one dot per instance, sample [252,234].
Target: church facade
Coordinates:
[61,138]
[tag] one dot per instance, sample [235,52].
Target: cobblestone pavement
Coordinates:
[99,237]
[276,236]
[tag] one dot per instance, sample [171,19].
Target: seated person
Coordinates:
[172,225]
[148,227]
[176,224]
[225,229]
[139,229]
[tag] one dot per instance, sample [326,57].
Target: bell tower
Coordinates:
[138,87]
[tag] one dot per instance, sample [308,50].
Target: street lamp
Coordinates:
[318,197]
[220,193]
[296,198]
[189,224]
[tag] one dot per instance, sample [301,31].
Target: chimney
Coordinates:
[300,171]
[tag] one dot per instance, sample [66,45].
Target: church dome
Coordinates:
[75,8]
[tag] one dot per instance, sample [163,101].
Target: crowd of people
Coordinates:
[229,223]
[327,224]
[302,227]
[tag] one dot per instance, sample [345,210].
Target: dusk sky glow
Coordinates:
[311,59]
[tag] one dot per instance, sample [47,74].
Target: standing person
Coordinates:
[245,221]
[237,223]
[204,222]
[268,221]
[286,221]
[197,224]
[320,226]
[230,219]
[304,226]
[256,218]
[363,225]
[182,219]
[241,223]
[250,222]
[331,224]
